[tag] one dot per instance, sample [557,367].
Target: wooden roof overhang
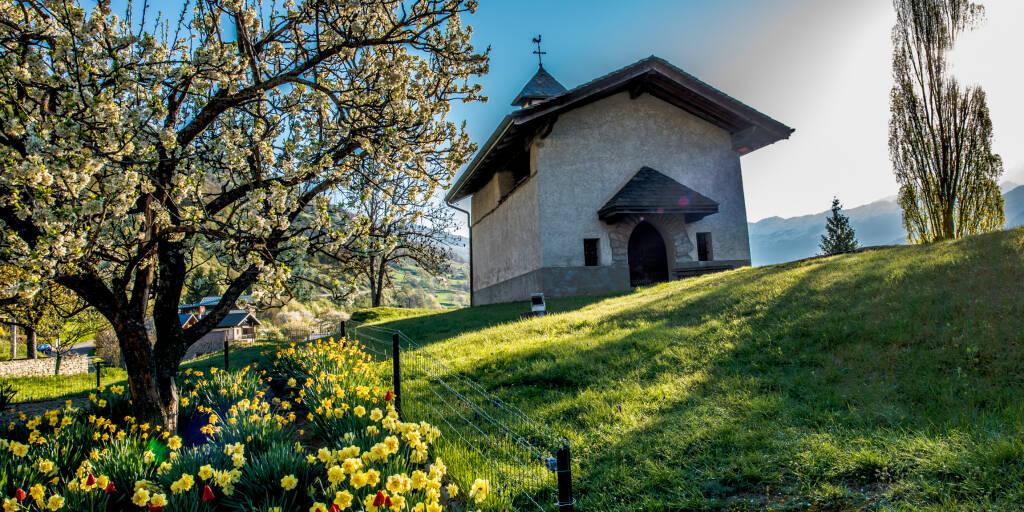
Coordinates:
[750,129]
[651,192]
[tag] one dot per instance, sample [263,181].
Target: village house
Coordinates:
[630,179]
[240,324]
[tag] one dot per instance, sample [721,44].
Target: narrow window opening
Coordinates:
[704,250]
[590,254]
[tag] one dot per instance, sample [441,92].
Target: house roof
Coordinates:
[541,87]
[212,300]
[750,129]
[650,191]
[184,318]
[236,318]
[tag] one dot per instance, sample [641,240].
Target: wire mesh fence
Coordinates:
[527,464]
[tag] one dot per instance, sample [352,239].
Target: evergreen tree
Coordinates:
[839,236]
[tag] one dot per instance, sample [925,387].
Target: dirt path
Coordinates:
[38,407]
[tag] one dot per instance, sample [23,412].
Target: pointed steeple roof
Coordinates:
[541,87]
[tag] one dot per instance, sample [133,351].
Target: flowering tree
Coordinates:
[43,311]
[397,219]
[122,152]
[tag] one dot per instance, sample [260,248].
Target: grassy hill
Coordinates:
[887,379]
[416,287]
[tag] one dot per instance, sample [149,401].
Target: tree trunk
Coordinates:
[57,356]
[167,363]
[30,343]
[375,291]
[154,395]
[948,225]
[377,275]
[375,294]
[14,342]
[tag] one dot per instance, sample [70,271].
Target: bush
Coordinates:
[416,298]
[108,349]
[328,440]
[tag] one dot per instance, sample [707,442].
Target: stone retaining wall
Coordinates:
[69,365]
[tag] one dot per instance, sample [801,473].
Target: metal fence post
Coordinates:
[564,463]
[344,331]
[227,355]
[99,366]
[396,372]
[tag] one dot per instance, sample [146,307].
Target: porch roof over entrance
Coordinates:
[650,191]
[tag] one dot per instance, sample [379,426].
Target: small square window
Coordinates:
[590,253]
[704,250]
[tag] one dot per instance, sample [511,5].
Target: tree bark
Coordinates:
[30,343]
[14,342]
[375,295]
[375,288]
[152,396]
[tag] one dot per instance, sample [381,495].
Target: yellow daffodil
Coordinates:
[335,475]
[289,482]
[479,490]
[158,500]
[56,502]
[141,497]
[183,484]
[343,499]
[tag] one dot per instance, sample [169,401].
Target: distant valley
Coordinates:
[776,240]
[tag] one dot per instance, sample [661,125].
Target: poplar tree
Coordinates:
[940,133]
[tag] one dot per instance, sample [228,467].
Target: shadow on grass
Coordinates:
[885,377]
[63,387]
[431,327]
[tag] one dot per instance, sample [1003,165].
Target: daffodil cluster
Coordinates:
[317,431]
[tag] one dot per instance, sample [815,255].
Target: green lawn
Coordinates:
[69,386]
[883,380]
[5,347]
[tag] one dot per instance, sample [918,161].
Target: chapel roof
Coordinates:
[541,87]
[750,129]
[650,191]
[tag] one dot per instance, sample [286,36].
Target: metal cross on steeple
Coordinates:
[538,51]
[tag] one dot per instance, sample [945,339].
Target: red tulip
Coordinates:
[91,481]
[387,501]
[111,489]
[208,495]
[335,508]
[20,495]
[380,499]
[389,396]
[154,508]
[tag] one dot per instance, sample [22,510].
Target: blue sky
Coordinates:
[822,67]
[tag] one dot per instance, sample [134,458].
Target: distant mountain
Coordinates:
[775,240]
[1013,207]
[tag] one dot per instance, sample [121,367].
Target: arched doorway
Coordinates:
[648,260]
